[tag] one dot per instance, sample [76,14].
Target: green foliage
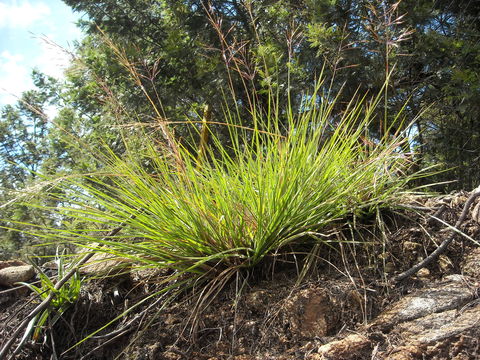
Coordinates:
[182,51]
[62,299]
[24,147]
[187,53]
[261,194]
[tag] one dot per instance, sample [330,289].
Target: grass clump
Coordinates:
[282,182]
[278,185]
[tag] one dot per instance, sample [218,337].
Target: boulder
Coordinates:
[13,274]
[438,322]
[452,293]
[9,263]
[437,327]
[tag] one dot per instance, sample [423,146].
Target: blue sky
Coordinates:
[29,30]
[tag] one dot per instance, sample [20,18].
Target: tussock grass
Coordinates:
[280,183]
[275,181]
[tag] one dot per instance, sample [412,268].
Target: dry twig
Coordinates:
[443,246]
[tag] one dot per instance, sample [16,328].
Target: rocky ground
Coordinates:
[347,307]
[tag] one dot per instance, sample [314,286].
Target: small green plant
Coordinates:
[63,298]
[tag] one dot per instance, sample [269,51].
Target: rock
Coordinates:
[430,321]
[423,273]
[437,327]
[9,263]
[452,293]
[351,347]
[444,335]
[50,265]
[13,274]
[322,309]
[311,313]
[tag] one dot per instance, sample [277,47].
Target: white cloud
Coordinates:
[16,69]
[23,14]
[14,77]
[23,45]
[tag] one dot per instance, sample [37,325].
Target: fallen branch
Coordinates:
[46,302]
[443,246]
[437,214]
